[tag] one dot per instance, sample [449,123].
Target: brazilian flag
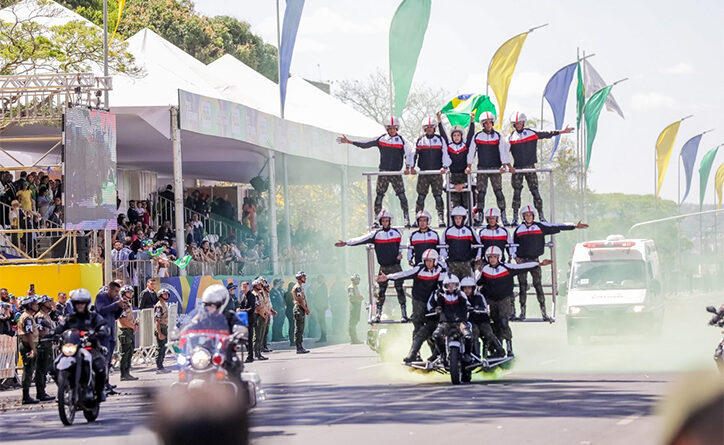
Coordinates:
[157,252]
[458,110]
[183,262]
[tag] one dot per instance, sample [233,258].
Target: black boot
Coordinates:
[258,356]
[503,218]
[522,312]
[510,348]
[407,220]
[544,314]
[27,400]
[378,314]
[249,359]
[515,220]
[496,347]
[414,350]
[468,342]
[403,311]
[440,344]
[301,350]
[44,396]
[440,219]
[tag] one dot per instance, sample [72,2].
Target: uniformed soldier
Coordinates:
[126,338]
[161,319]
[46,325]
[355,307]
[28,335]
[262,317]
[300,311]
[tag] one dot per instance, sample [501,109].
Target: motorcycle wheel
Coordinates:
[467,376]
[92,414]
[66,404]
[454,360]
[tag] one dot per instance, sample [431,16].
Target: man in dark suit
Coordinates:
[109,305]
[148,297]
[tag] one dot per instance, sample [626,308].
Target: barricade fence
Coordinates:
[8,355]
[137,272]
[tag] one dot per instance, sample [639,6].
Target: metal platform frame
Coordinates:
[372,263]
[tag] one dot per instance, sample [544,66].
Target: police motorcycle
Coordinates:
[75,376]
[718,321]
[209,352]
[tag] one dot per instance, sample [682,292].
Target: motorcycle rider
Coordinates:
[496,281]
[82,319]
[459,239]
[479,318]
[493,154]
[431,154]
[426,276]
[422,239]
[495,234]
[528,245]
[28,335]
[46,325]
[389,253]
[452,306]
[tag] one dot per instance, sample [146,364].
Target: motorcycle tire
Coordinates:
[467,376]
[91,414]
[66,404]
[455,368]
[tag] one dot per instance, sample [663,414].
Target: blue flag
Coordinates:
[556,93]
[688,158]
[292,16]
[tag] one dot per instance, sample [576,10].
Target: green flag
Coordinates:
[407,32]
[183,262]
[704,170]
[459,108]
[156,253]
[590,114]
[580,97]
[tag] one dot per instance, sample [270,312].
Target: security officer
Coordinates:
[160,317]
[389,253]
[28,335]
[355,307]
[262,317]
[431,154]
[232,304]
[300,311]
[126,338]
[46,325]
[524,148]
[394,150]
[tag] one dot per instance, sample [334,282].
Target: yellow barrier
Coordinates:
[50,279]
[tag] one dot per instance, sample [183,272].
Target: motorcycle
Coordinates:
[718,321]
[208,354]
[75,377]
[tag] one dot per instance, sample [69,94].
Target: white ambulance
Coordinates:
[614,288]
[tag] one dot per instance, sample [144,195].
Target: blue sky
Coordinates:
[672,52]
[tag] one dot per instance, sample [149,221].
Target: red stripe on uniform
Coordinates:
[452,150]
[384,144]
[481,142]
[534,137]
[424,277]
[464,237]
[505,273]
[424,241]
[531,232]
[500,237]
[429,147]
[389,240]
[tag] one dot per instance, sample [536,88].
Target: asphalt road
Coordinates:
[601,393]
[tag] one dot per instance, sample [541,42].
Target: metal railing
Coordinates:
[5,222]
[164,210]
[137,272]
[553,285]
[39,246]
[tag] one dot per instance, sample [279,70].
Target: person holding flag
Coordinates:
[493,154]
[524,148]
[394,151]
[431,154]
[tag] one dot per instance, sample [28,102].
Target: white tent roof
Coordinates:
[305,103]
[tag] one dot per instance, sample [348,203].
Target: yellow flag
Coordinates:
[718,182]
[501,70]
[121,4]
[664,147]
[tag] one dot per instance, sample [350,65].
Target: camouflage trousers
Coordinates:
[434,183]
[536,273]
[496,181]
[517,183]
[460,269]
[383,183]
[500,312]
[394,268]
[459,198]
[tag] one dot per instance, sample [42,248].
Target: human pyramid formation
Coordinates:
[463,266]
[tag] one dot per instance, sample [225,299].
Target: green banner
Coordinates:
[704,170]
[580,98]
[591,112]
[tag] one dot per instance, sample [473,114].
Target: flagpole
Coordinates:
[279,63]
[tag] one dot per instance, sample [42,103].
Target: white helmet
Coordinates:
[467,282]
[384,214]
[127,288]
[487,116]
[518,117]
[528,209]
[489,213]
[300,274]
[457,128]
[430,254]
[423,214]
[493,250]
[429,121]
[459,211]
[392,121]
[217,295]
[451,279]
[80,296]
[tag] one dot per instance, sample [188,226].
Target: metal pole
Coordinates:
[273,214]
[554,266]
[105,48]
[287,203]
[107,269]
[178,188]
[279,64]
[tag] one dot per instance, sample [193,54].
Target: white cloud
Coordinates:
[652,101]
[526,84]
[324,22]
[679,68]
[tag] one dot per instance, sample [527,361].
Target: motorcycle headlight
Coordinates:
[639,308]
[573,310]
[200,359]
[69,349]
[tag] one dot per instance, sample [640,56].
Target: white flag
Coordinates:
[592,82]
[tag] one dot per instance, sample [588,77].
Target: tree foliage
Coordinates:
[205,38]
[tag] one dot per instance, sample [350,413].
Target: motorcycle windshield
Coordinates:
[204,329]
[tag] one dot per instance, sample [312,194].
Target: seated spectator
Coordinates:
[165,233]
[207,253]
[57,216]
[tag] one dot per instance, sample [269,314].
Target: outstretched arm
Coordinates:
[364,239]
[361,144]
